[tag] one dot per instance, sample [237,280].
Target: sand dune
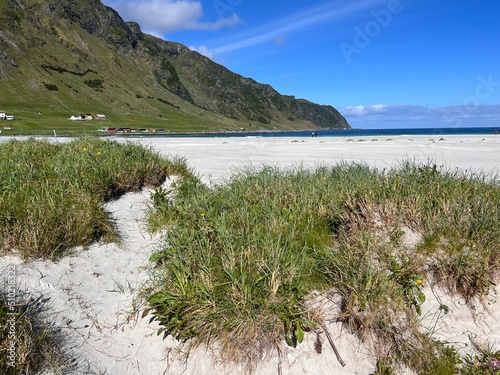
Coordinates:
[91,291]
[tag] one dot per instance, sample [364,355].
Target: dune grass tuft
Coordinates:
[242,257]
[52,194]
[29,343]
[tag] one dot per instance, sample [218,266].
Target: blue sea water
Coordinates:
[363,132]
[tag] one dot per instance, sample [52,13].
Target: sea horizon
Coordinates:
[353,132]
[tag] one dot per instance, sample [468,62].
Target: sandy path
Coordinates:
[91,291]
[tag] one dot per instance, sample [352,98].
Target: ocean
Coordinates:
[365,132]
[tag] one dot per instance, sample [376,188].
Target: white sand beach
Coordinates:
[90,292]
[215,158]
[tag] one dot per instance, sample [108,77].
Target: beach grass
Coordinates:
[29,342]
[52,193]
[244,257]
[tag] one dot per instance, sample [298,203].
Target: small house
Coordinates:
[2,115]
[123,130]
[99,117]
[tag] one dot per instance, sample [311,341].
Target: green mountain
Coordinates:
[60,58]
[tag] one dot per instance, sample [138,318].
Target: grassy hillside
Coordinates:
[62,84]
[63,59]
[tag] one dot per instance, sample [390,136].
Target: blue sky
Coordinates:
[382,63]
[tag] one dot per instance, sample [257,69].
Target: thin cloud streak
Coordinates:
[299,21]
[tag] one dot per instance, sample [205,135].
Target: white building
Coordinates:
[2,115]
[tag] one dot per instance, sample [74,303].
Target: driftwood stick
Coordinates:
[332,344]
[280,363]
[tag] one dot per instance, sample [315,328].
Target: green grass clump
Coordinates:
[52,194]
[29,343]
[239,261]
[243,257]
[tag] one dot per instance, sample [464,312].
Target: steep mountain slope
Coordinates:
[64,57]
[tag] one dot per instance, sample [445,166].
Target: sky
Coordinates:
[381,63]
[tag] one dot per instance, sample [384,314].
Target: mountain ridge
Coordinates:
[73,55]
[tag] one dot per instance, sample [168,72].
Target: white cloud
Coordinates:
[448,116]
[205,51]
[162,16]
[361,110]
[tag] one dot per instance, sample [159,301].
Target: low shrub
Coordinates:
[51,87]
[94,83]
